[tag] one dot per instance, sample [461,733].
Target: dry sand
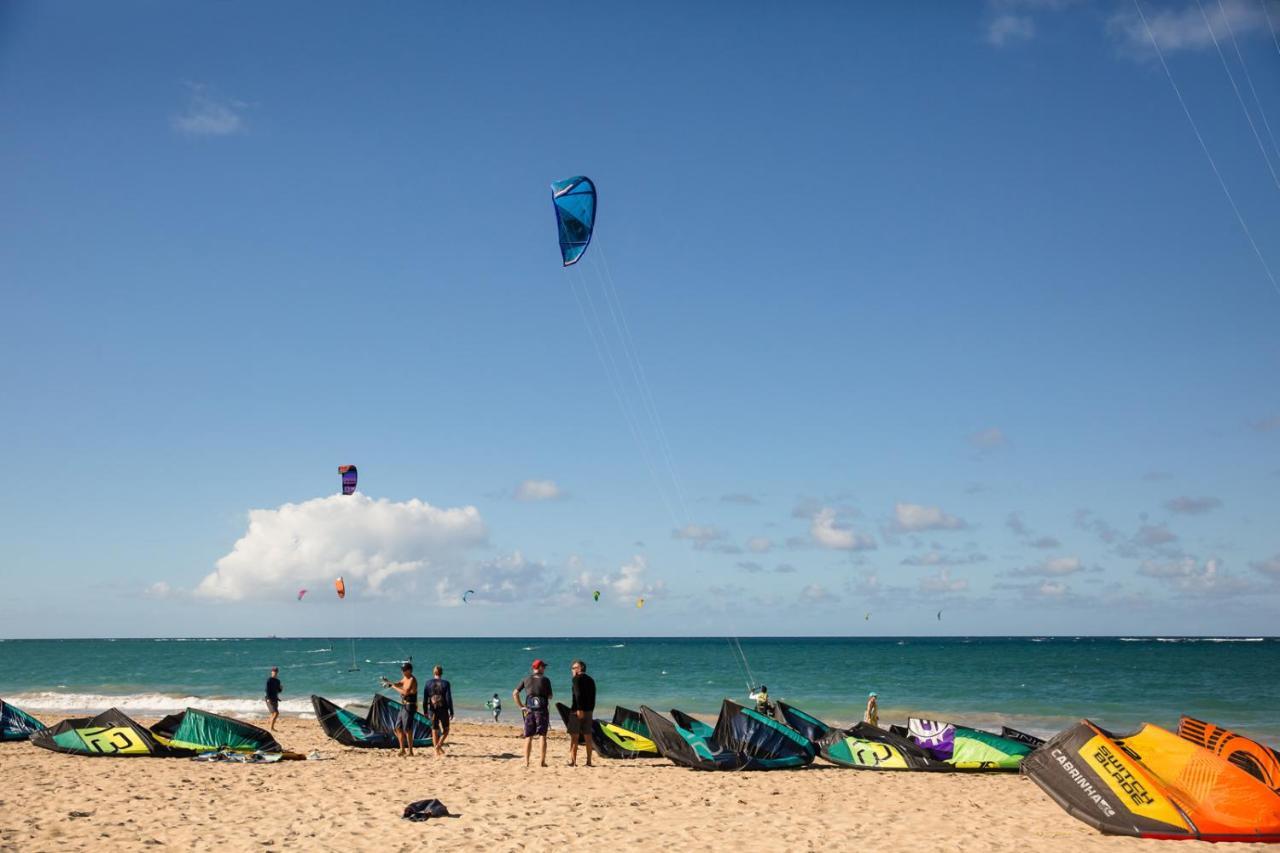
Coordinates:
[55,802]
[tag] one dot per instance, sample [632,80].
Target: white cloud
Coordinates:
[912,518]
[943,583]
[701,535]
[1184,28]
[760,544]
[159,589]
[816,593]
[503,580]
[1269,568]
[830,533]
[1006,28]
[1051,568]
[1052,589]
[538,490]
[1184,505]
[1190,575]
[368,542]
[937,558]
[626,584]
[208,114]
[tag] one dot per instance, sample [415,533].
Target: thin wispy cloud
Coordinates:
[1184,505]
[538,490]
[210,114]
[1183,27]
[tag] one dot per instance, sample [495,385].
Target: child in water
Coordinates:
[495,705]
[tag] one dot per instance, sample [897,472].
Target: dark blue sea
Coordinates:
[1039,684]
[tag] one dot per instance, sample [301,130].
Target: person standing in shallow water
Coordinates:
[535,706]
[872,714]
[273,697]
[584,705]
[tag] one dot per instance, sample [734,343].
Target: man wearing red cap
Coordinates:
[535,706]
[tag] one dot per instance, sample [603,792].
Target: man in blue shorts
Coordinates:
[535,706]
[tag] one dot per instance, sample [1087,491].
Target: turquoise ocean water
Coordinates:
[1038,684]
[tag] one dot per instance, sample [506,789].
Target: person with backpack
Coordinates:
[535,706]
[437,698]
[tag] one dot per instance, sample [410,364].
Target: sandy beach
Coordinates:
[61,802]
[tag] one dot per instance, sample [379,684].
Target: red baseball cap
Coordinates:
[539,662]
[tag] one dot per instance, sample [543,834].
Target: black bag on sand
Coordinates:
[426,809]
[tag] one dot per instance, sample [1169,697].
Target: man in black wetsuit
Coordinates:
[437,701]
[535,707]
[584,706]
[273,696]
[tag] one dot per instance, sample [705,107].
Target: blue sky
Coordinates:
[940,309]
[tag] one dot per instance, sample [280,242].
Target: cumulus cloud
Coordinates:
[913,518]
[209,114]
[943,583]
[1192,506]
[626,584]
[1053,567]
[816,593]
[504,580]
[368,542]
[1192,576]
[938,558]
[1268,568]
[1051,589]
[740,498]
[829,532]
[701,535]
[1154,535]
[1184,28]
[159,590]
[538,490]
[759,544]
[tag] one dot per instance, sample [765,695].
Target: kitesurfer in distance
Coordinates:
[584,705]
[495,705]
[535,706]
[273,697]
[437,697]
[872,714]
[407,687]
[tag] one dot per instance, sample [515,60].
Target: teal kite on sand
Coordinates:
[16,724]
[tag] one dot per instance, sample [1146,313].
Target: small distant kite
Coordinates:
[301,593]
[348,473]
[595,595]
[866,618]
[939,615]
[639,602]
[341,587]
[466,594]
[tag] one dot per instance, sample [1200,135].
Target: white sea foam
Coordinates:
[148,704]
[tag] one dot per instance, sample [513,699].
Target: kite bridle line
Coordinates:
[602,343]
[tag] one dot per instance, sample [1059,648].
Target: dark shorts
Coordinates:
[404,722]
[536,722]
[273,706]
[440,722]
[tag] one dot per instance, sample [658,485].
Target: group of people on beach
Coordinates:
[532,695]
